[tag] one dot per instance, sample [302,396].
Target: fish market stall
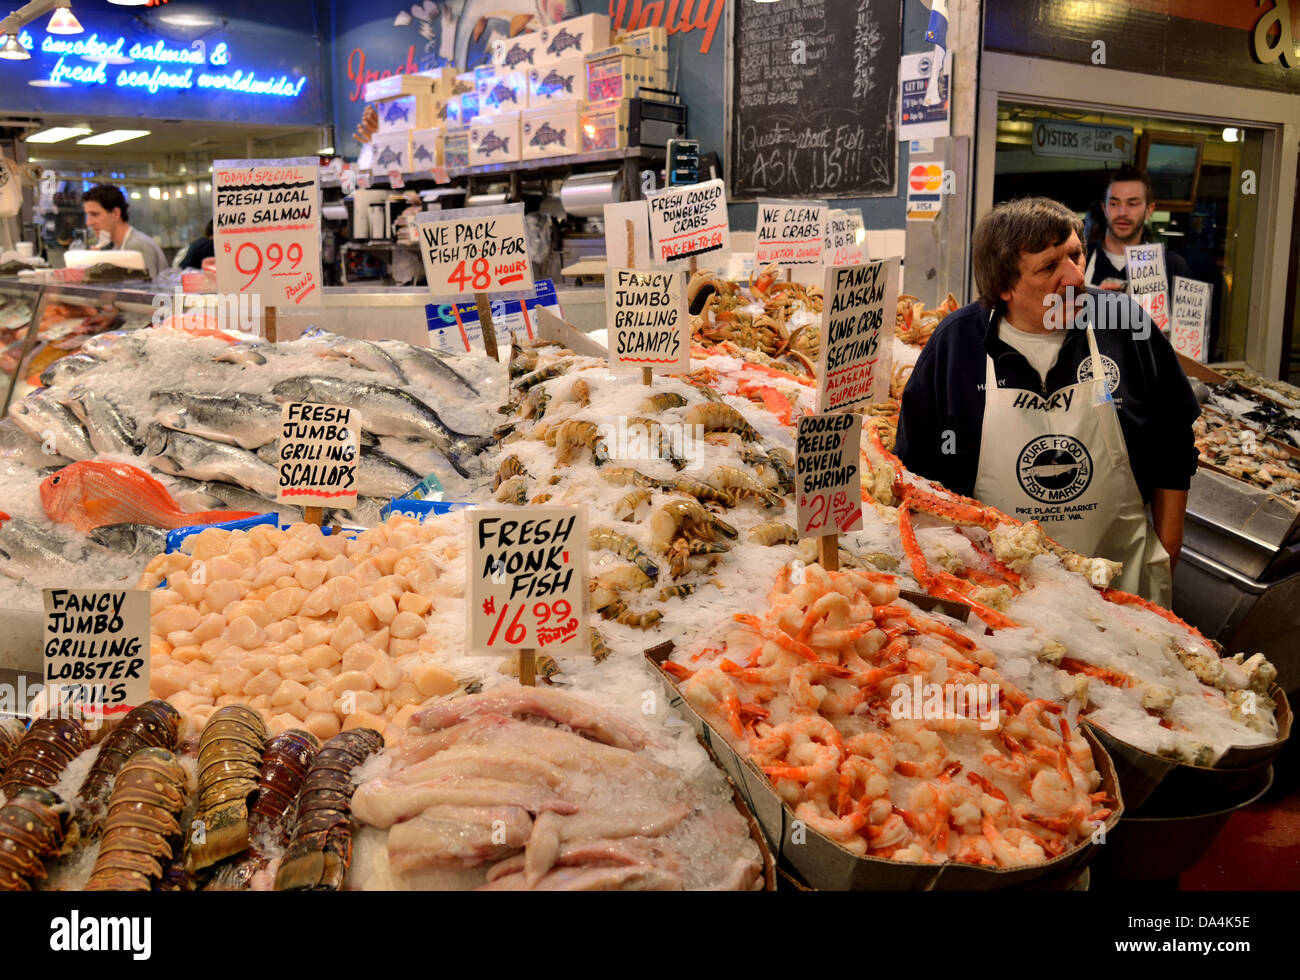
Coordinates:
[335,668]
[1240,574]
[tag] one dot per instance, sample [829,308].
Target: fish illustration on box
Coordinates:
[502,92]
[388,156]
[397,110]
[553,82]
[563,41]
[492,142]
[422,153]
[517,55]
[546,135]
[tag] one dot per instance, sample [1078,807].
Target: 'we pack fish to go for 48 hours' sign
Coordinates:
[650,326]
[528,578]
[266,217]
[858,334]
[476,250]
[688,221]
[318,455]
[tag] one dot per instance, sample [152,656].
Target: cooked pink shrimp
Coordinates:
[712,691]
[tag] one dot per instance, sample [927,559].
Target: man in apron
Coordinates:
[1057,404]
[1128,206]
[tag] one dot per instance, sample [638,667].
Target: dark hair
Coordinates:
[107,197]
[1028,224]
[207,229]
[1128,173]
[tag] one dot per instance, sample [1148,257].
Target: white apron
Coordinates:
[1062,461]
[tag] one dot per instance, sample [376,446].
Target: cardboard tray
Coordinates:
[824,865]
[1154,784]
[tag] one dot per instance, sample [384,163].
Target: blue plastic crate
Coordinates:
[420,508]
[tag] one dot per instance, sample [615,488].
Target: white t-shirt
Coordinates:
[1040,349]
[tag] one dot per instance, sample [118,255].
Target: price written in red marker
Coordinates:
[527,570]
[266,217]
[471,252]
[550,622]
[828,478]
[250,260]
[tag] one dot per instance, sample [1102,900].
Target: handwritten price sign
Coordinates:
[528,578]
[1147,283]
[688,221]
[790,233]
[266,215]
[476,250]
[828,478]
[1191,317]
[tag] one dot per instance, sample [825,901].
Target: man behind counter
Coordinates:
[106,211]
[1077,428]
[1128,206]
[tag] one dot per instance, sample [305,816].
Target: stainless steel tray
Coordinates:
[1241,526]
[1241,613]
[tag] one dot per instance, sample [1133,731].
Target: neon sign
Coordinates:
[166,67]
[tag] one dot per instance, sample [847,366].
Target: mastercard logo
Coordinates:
[926,177]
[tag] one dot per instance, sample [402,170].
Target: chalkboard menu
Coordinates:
[814,98]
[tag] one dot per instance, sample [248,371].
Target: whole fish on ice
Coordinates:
[17,447]
[425,366]
[132,539]
[182,454]
[237,418]
[52,424]
[111,429]
[93,493]
[27,547]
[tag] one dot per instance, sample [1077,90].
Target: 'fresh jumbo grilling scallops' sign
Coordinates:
[318,455]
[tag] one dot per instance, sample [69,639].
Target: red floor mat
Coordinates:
[1258,850]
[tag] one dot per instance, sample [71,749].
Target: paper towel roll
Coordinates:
[585,195]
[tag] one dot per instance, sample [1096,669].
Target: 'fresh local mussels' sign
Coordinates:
[155,66]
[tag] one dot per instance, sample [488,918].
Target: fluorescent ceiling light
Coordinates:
[135,195]
[11,49]
[188,20]
[1231,134]
[191,189]
[130,3]
[113,136]
[325,151]
[155,194]
[62,21]
[57,134]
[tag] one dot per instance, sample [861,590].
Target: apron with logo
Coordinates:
[1062,461]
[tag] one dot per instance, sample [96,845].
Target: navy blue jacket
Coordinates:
[946,393]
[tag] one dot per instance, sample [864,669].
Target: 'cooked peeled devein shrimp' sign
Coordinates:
[790,233]
[690,220]
[527,578]
[476,250]
[1147,283]
[1191,317]
[857,335]
[647,311]
[266,218]
[319,451]
[828,487]
[96,649]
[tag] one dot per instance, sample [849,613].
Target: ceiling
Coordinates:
[170,144]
